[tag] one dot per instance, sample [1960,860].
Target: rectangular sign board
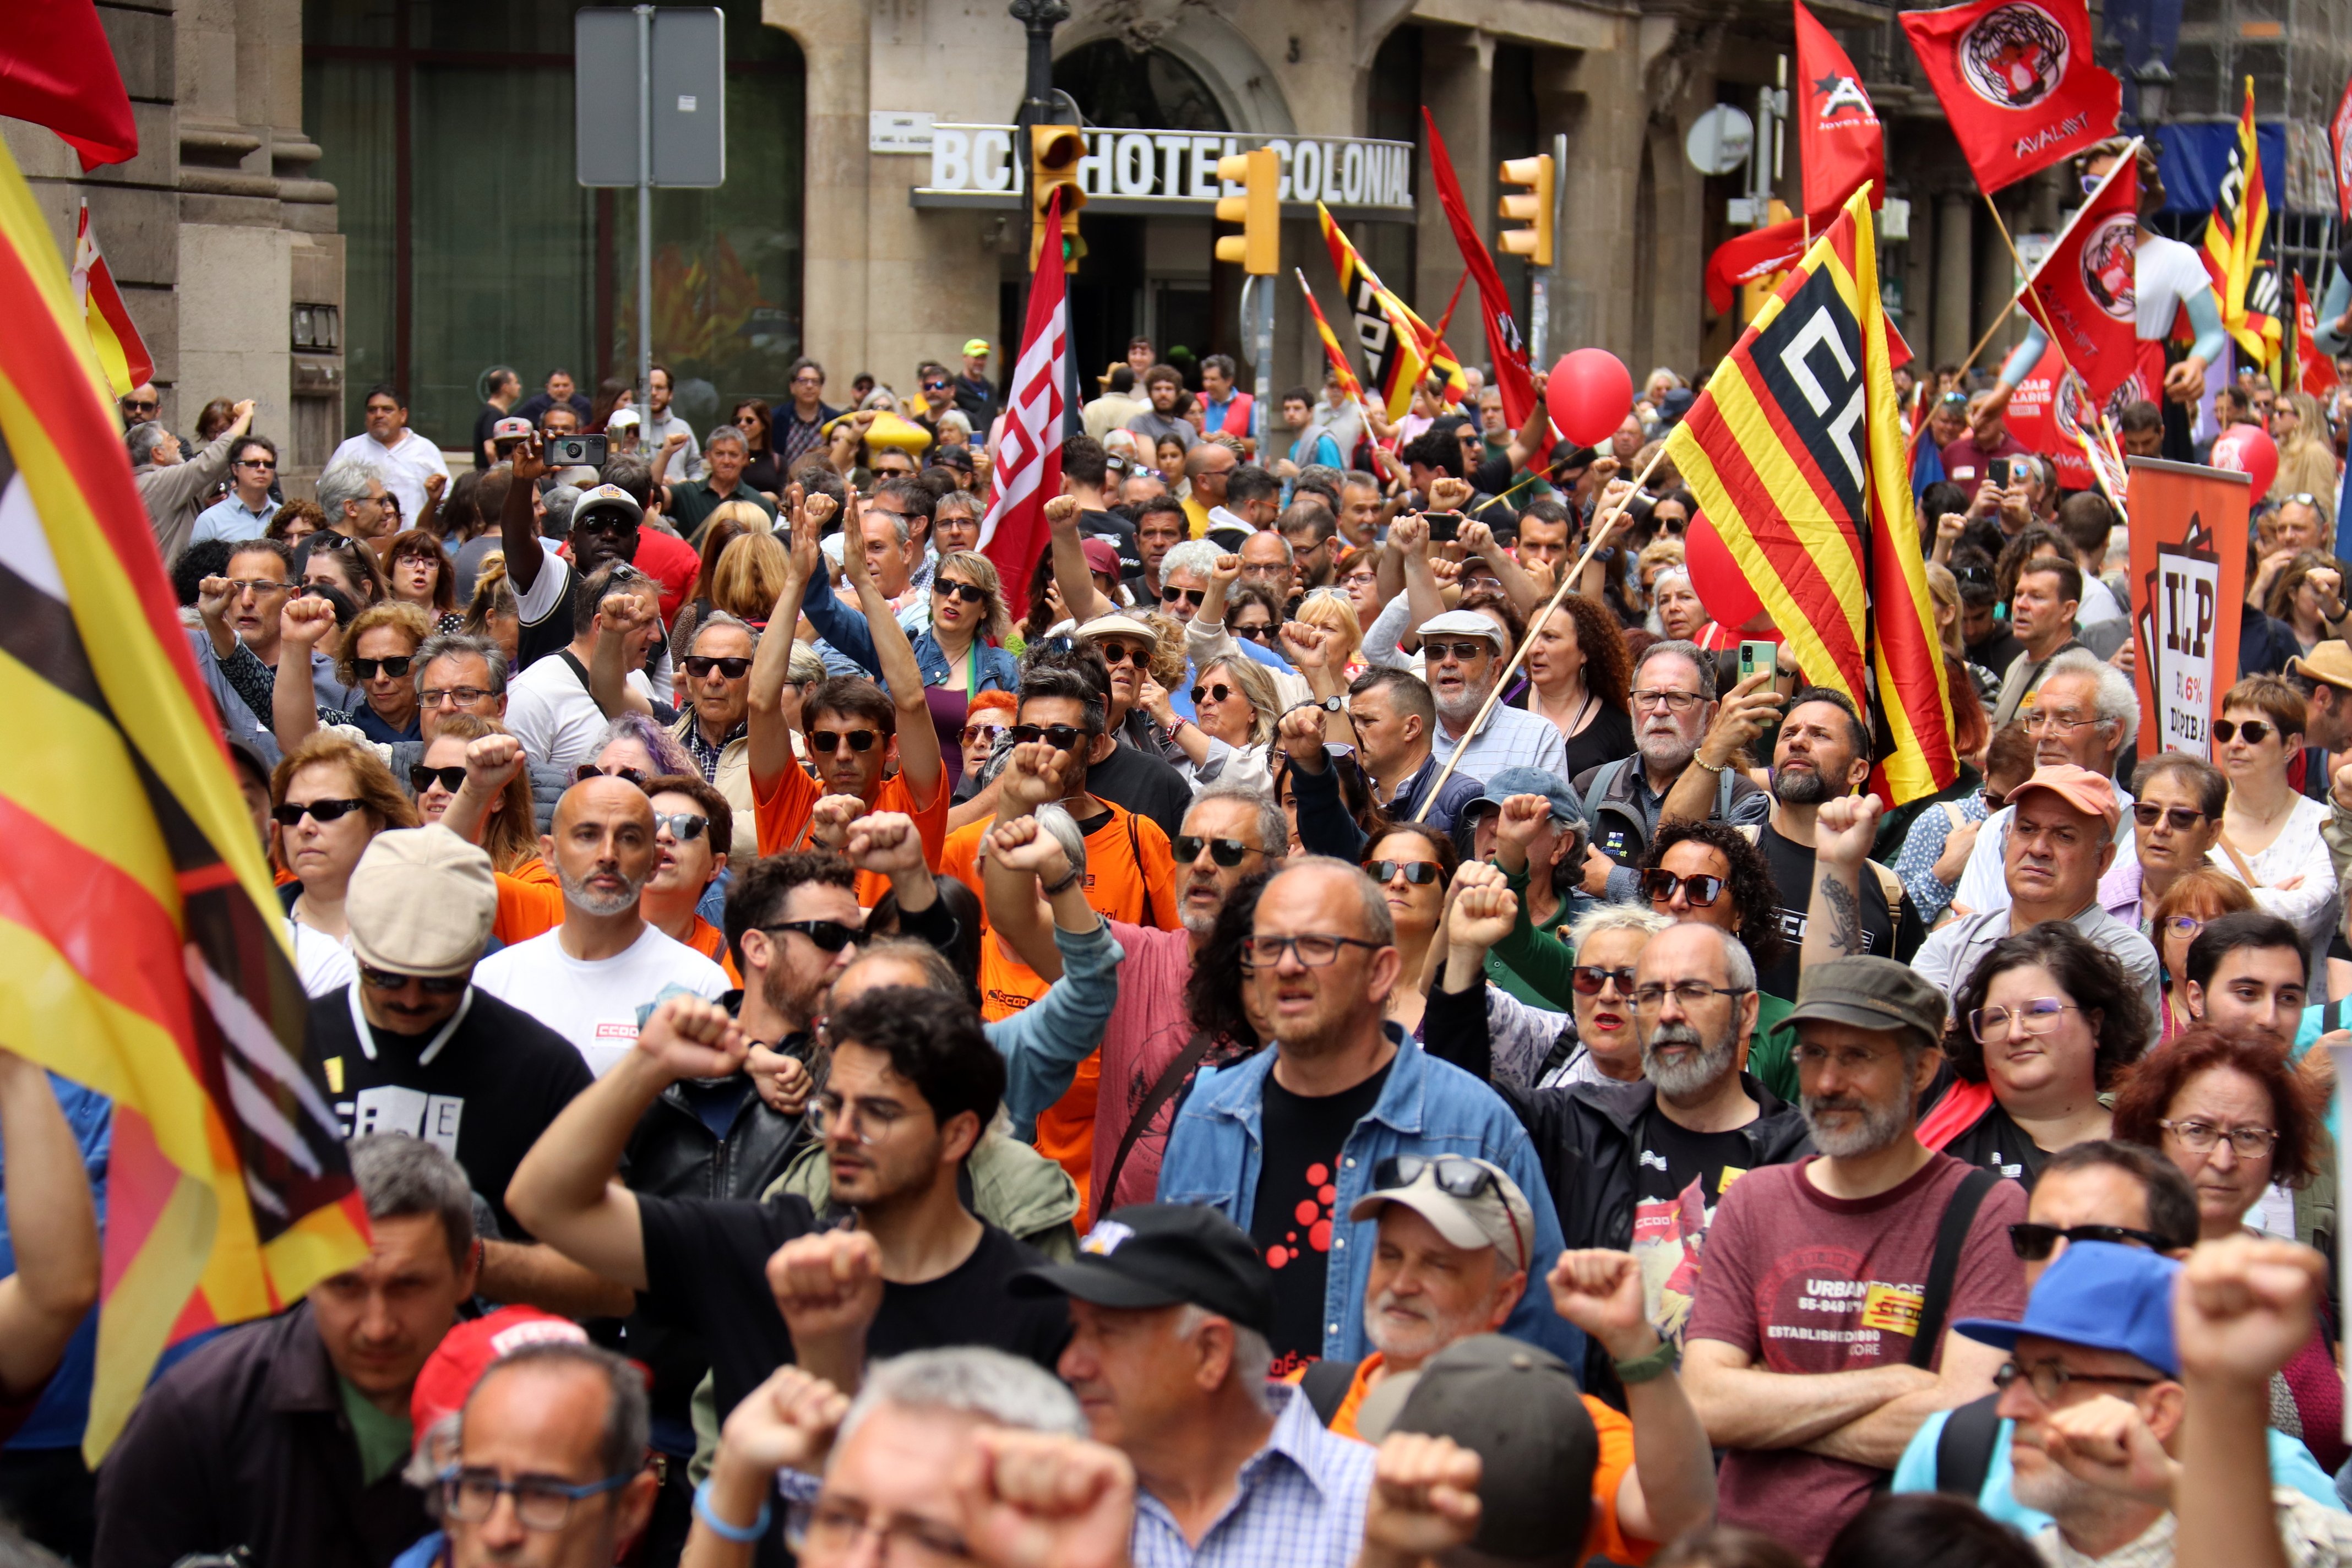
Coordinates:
[2187,579]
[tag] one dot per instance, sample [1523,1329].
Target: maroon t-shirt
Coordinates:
[1964,460]
[1799,1281]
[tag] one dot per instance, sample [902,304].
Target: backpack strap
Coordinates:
[1163,1089]
[1890,885]
[1602,777]
[1135,852]
[1325,1386]
[1964,1447]
[1951,1235]
[1723,782]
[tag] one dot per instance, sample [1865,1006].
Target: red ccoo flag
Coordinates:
[1508,349]
[1839,142]
[1028,472]
[2084,293]
[2016,80]
[57,70]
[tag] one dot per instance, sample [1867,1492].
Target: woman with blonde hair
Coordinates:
[328,797]
[374,662]
[749,577]
[492,613]
[2306,457]
[2308,596]
[1226,744]
[1328,609]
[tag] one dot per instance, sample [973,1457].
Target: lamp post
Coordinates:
[1040,17]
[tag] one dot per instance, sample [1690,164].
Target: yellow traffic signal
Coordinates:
[1535,206]
[1055,152]
[1258,246]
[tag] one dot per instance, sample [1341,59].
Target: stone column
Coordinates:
[1918,262]
[1955,266]
[1457,81]
[1996,279]
[833,36]
[1594,97]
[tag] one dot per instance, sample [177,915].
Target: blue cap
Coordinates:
[2100,1295]
[1566,809]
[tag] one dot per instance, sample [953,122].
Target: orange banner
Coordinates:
[2188,586]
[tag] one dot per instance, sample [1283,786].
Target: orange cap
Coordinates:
[2078,787]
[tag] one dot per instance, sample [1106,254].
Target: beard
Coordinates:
[1800,786]
[576,892]
[1693,1075]
[1457,713]
[1666,751]
[1881,1125]
[1422,1333]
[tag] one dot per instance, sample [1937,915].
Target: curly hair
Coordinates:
[1608,666]
[1213,996]
[1168,657]
[1753,898]
[399,615]
[2093,981]
[2146,1095]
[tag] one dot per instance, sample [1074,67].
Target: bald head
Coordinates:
[602,848]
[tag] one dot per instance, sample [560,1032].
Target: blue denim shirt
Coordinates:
[1426,1107]
[846,630]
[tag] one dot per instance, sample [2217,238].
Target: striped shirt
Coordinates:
[1298,1501]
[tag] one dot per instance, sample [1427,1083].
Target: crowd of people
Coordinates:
[1274,1037]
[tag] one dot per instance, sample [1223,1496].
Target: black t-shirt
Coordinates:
[484,1099]
[552,634]
[1292,1222]
[1994,1141]
[484,423]
[1142,784]
[1119,531]
[708,1262]
[1792,880]
[1997,652]
[1679,1177]
[1609,737]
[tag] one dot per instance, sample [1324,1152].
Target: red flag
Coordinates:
[2016,80]
[2083,294]
[2035,417]
[2318,371]
[1840,142]
[1508,349]
[1028,472]
[2340,142]
[1759,253]
[58,70]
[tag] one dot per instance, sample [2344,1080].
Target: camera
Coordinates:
[1444,527]
[575,451]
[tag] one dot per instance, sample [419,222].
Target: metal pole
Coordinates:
[645,220]
[1263,336]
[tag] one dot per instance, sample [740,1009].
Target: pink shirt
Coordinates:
[1148,1028]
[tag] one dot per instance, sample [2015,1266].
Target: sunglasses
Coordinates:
[935,386]
[825,743]
[1121,653]
[1191,596]
[2034,1242]
[1456,1176]
[329,540]
[686,827]
[255,463]
[2181,817]
[396,666]
[1260,634]
[321,811]
[830,936]
[1219,692]
[988,732]
[1418,873]
[969,593]
[2253,730]
[1587,979]
[1995,799]
[421,778]
[587,771]
[136,406]
[1225,852]
[1460,652]
[434,984]
[701,664]
[1061,737]
[1660,887]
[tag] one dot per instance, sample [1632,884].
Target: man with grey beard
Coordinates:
[589,978]
[1821,1337]
[1674,707]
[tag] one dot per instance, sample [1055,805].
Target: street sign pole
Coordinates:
[1258,331]
[644,218]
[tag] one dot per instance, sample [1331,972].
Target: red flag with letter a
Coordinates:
[58,70]
[1028,470]
[2082,292]
[2016,80]
[1839,142]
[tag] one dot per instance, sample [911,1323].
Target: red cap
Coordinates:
[466,1351]
[1102,556]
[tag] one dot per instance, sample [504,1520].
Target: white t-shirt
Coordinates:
[324,963]
[403,466]
[2164,273]
[550,713]
[595,1004]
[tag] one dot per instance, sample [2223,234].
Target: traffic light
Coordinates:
[1054,152]
[1536,206]
[1258,246]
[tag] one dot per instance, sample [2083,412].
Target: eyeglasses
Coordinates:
[1225,852]
[830,936]
[2250,1142]
[452,696]
[1672,702]
[587,771]
[2034,1242]
[1688,994]
[1458,652]
[988,732]
[2048,1379]
[1416,873]
[2031,1019]
[2041,720]
[396,666]
[865,1121]
[1589,978]
[825,743]
[1117,653]
[255,585]
[290,814]
[699,665]
[1698,889]
[1219,692]
[1061,737]
[1313,952]
[2185,925]
[541,1503]
[421,778]
[1262,634]
[968,593]
[686,827]
[434,984]
[2253,730]
[837,1529]
[2181,818]
[1169,595]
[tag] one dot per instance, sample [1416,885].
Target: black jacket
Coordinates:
[245,1444]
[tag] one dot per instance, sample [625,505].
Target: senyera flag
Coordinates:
[1795,454]
[1028,470]
[2238,254]
[121,352]
[2017,82]
[146,953]
[58,70]
[1504,346]
[2084,294]
[1841,145]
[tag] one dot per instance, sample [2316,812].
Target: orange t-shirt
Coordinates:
[783,810]
[1603,1537]
[711,943]
[530,903]
[1131,877]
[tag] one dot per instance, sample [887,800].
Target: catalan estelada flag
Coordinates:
[139,930]
[121,351]
[1400,348]
[1795,454]
[2237,252]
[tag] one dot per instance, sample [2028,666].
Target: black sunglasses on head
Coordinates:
[701,664]
[420,777]
[1225,852]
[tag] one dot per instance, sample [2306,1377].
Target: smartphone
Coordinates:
[1998,472]
[1444,527]
[1758,657]
[576,451]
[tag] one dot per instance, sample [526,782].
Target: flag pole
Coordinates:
[2129,154]
[1601,532]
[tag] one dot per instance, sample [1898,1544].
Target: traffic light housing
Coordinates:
[1533,207]
[1055,153]
[1258,246]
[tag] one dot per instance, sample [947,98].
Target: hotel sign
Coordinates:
[1174,172]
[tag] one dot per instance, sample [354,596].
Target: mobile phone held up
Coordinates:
[575,451]
[1444,527]
[1997,470]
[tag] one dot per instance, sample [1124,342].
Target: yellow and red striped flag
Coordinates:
[1796,456]
[121,352]
[138,927]
[1400,346]
[1331,349]
[2237,250]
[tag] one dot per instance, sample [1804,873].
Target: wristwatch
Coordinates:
[1333,705]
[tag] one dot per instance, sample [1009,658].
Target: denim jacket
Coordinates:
[846,630]
[1426,1107]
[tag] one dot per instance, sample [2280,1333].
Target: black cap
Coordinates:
[1517,1407]
[1163,1254]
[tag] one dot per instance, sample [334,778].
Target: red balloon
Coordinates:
[1589,393]
[1721,586]
[2248,449]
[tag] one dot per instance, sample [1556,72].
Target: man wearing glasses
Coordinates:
[245,512]
[1823,1334]
[1674,707]
[175,487]
[799,424]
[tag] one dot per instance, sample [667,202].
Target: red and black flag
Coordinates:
[1507,349]
[2016,80]
[1841,145]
